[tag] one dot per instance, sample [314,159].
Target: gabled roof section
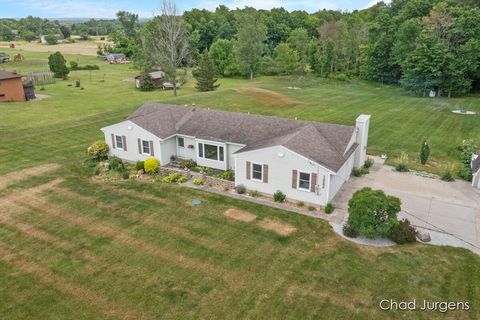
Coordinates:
[5,75]
[325,144]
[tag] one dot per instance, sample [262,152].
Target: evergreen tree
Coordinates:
[58,65]
[424,152]
[205,74]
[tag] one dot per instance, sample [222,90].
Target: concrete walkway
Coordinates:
[450,211]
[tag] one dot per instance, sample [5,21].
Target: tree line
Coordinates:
[423,45]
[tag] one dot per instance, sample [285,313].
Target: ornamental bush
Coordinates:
[329,208]
[279,196]
[174,178]
[403,233]
[151,165]
[198,181]
[241,189]
[140,165]
[349,232]
[98,150]
[369,163]
[373,213]
[116,164]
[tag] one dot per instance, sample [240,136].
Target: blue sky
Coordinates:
[107,9]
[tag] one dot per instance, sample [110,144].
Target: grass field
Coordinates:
[71,118]
[73,248]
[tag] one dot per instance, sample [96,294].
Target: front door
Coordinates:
[181,147]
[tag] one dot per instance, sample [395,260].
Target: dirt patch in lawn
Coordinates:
[267,97]
[277,227]
[240,215]
[13,177]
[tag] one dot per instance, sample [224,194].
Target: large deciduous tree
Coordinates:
[166,42]
[58,65]
[250,44]
[223,56]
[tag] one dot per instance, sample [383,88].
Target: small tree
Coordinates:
[58,65]
[51,39]
[424,152]
[147,83]
[373,213]
[205,74]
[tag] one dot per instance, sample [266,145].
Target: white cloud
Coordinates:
[374,2]
[290,5]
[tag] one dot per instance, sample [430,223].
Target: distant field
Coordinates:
[88,47]
[59,128]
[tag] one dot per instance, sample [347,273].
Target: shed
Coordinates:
[117,58]
[157,77]
[11,87]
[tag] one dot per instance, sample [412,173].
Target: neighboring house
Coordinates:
[476,170]
[308,161]
[11,87]
[157,77]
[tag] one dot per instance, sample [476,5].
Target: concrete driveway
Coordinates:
[450,211]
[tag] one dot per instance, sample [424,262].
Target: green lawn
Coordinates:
[71,118]
[78,249]
[83,250]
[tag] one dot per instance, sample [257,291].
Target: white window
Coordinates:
[146,147]
[181,142]
[211,152]
[304,181]
[119,142]
[257,172]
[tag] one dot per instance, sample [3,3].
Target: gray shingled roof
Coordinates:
[5,75]
[323,143]
[476,165]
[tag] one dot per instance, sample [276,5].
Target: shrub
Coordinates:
[151,166]
[102,38]
[340,77]
[174,178]
[466,173]
[98,150]
[73,65]
[349,232]
[401,167]
[254,194]
[88,67]
[198,181]
[241,189]
[140,165]
[329,208]
[147,83]
[300,204]
[279,196]
[188,164]
[126,174]
[311,208]
[373,213]
[227,175]
[84,36]
[116,164]
[368,163]
[447,176]
[424,152]
[57,64]
[403,233]
[51,39]
[359,172]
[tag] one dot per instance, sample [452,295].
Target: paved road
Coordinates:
[449,210]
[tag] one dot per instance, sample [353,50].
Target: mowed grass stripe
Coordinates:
[46,276]
[96,226]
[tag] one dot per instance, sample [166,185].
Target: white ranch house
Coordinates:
[308,161]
